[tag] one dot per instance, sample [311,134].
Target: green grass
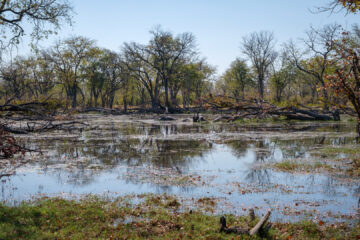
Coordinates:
[263,120]
[287,165]
[155,217]
[292,165]
[338,150]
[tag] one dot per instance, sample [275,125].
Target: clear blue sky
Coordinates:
[218,25]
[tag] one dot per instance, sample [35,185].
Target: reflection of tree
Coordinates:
[141,145]
[258,176]
[239,147]
[134,145]
[330,186]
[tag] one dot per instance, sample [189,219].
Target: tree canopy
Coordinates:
[44,16]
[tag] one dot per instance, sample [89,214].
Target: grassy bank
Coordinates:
[154,217]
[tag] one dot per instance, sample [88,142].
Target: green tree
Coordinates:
[156,62]
[70,58]
[237,78]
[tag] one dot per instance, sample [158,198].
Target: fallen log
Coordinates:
[32,127]
[261,225]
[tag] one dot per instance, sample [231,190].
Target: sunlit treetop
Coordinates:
[351,6]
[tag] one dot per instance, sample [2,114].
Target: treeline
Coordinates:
[302,73]
[166,72]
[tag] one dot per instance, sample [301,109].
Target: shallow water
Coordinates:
[122,155]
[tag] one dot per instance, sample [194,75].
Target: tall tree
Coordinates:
[282,77]
[346,78]
[139,63]
[319,45]
[117,75]
[259,47]
[155,64]
[168,52]
[237,78]
[70,57]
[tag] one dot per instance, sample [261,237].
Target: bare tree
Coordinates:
[319,45]
[259,47]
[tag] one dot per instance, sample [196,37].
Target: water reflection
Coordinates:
[140,156]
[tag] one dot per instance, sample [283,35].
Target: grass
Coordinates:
[263,120]
[354,169]
[154,218]
[353,156]
[339,150]
[292,165]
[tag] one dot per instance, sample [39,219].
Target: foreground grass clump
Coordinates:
[155,217]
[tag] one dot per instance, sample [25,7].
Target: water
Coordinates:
[122,155]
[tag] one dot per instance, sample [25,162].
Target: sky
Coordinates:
[218,25]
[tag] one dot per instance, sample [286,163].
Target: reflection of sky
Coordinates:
[226,168]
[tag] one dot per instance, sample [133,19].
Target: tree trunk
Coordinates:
[326,99]
[142,98]
[261,88]
[173,99]
[125,104]
[167,103]
[111,99]
[74,93]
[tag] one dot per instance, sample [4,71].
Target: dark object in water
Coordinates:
[167,118]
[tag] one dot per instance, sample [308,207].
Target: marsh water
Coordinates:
[227,162]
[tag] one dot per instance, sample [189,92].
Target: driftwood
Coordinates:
[291,113]
[241,108]
[260,226]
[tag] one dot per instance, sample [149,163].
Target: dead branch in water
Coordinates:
[255,109]
[36,127]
